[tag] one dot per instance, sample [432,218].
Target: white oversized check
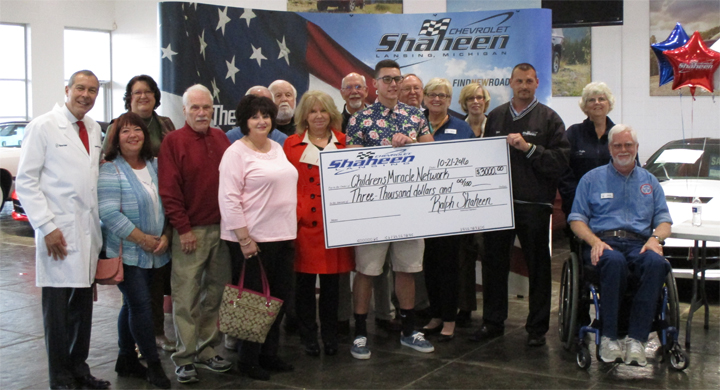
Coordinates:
[432,189]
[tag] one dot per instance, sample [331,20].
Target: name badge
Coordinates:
[606,195]
[450,131]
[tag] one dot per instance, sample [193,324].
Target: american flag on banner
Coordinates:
[231,49]
[434,27]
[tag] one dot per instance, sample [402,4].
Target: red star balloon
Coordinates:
[693,65]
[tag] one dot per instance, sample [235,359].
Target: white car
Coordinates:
[11,135]
[688,169]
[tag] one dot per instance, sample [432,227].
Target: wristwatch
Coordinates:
[661,241]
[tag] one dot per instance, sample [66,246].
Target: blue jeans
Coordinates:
[135,322]
[614,266]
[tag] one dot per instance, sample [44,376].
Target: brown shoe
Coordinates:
[164,343]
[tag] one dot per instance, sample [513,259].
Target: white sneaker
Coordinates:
[359,349]
[610,350]
[635,352]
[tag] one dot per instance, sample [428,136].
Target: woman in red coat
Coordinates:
[316,120]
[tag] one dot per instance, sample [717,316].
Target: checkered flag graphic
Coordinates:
[434,27]
[364,155]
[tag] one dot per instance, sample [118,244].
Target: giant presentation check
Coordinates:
[433,189]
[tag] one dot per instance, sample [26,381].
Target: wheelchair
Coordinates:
[579,289]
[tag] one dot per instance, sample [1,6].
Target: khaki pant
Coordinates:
[198,281]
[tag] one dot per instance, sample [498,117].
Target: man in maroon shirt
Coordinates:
[188,173]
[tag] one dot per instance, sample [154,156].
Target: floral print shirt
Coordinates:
[376,125]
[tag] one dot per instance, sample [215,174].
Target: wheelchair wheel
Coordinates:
[569,297]
[673,309]
[679,360]
[583,358]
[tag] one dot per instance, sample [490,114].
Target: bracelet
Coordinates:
[248,242]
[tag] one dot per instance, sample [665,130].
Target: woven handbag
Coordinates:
[247,314]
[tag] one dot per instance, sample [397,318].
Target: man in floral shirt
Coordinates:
[388,122]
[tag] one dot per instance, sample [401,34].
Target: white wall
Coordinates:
[47,21]
[620,57]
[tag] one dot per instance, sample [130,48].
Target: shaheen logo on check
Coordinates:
[364,155]
[431,28]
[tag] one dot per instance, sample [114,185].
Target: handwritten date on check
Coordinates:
[382,194]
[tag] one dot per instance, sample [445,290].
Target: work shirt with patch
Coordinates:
[605,199]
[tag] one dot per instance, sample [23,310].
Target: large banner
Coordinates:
[381,194]
[231,49]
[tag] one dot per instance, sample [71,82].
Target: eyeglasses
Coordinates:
[627,145]
[474,98]
[390,79]
[440,96]
[408,89]
[354,87]
[140,93]
[599,99]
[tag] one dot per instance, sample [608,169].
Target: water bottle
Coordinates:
[697,212]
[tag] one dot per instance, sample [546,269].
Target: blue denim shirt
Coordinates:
[607,200]
[276,135]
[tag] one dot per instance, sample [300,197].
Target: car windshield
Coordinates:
[11,135]
[699,159]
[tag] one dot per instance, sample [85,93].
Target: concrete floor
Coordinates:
[501,363]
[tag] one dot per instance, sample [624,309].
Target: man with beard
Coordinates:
[621,214]
[284,95]
[538,156]
[411,91]
[354,91]
[276,135]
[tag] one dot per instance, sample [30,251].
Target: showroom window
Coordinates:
[91,50]
[13,73]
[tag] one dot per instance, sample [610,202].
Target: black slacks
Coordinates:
[328,305]
[277,260]
[441,265]
[532,227]
[67,319]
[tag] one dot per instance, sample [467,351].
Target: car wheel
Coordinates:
[556,62]
[350,7]
[5,183]
[322,6]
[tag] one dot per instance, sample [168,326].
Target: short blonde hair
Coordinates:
[437,82]
[468,91]
[307,102]
[596,88]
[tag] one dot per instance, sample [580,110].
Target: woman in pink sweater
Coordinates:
[258,199]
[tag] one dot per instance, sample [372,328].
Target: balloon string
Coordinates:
[682,119]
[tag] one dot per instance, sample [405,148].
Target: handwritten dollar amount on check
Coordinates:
[451,185]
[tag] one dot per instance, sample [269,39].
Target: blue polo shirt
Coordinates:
[607,200]
[454,128]
[276,135]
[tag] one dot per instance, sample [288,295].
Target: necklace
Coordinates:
[259,150]
[436,125]
[326,137]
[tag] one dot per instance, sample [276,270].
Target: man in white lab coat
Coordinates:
[56,183]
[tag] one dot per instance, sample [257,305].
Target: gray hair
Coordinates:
[438,82]
[619,128]
[258,89]
[596,88]
[342,84]
[277,83]
[83,72]
[412,75]
[196,87]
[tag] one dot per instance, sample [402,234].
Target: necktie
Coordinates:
[84,136]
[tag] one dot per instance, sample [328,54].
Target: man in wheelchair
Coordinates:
[620,213]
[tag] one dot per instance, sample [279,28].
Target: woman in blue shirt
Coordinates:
[442,254]
[134,223]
